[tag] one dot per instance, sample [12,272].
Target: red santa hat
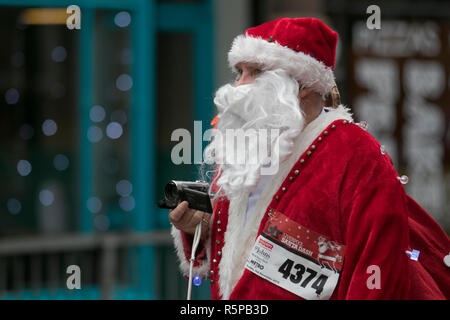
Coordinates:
[304,47]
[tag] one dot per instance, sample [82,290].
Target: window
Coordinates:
[38,126]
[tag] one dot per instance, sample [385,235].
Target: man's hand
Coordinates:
[185,219]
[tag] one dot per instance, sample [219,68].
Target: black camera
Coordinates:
[196,193]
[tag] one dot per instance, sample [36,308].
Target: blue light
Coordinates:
[415,255]
[197,280]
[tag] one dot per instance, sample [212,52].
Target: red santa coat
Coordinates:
[338,184]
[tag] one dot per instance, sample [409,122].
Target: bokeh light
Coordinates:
[124,188]
[94,134]
[122,19]
[61,162]
[114,130]
[127,203]
[94,204]
[124,82]
[14,206]
[24,167]
[46,197]
[49,127]
[59,54]
[97,113]
[12,96]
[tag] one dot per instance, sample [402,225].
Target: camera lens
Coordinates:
[171,192]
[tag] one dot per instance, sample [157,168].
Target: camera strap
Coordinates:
[195,242]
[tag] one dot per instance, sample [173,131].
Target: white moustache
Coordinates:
[270,103]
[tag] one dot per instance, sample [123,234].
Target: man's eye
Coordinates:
[238,74]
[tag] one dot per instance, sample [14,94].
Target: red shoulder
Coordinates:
[361,149]
[358,159]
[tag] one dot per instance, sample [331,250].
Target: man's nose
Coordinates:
[245,78]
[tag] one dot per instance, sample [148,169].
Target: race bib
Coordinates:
[297,259]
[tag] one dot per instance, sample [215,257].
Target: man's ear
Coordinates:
[304,92]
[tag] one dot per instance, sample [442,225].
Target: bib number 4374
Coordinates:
[300,273]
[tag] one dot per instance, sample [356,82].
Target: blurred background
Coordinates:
[86,118]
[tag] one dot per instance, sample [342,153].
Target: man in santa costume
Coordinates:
[333,220]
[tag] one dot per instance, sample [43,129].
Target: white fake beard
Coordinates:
[269,105]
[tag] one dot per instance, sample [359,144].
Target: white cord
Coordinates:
[195,242]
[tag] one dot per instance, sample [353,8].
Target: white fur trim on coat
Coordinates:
[240,234]
[201,270]
[308,71]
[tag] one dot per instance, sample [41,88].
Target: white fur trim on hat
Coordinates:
[308,71]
